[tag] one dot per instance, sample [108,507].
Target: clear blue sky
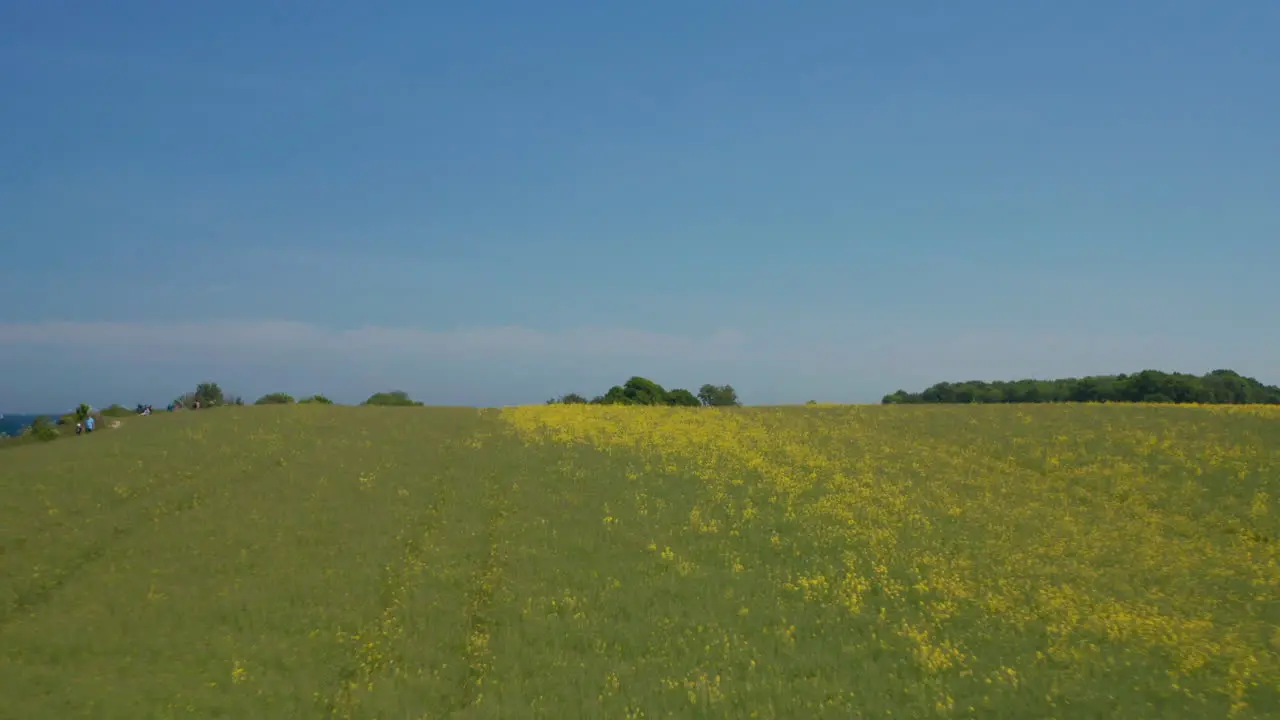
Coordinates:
[496,202]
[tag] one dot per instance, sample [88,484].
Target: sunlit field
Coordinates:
[574,561]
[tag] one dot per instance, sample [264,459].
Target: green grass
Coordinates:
[320,561]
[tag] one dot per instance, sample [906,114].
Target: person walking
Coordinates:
[88,424]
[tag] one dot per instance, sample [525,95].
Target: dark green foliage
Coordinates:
[208,393]
[1220,387]
[42,429]
[615,396]
[278,398]
[317,399]
[395,398]
[718,395]
[568,399]
[643,391]
[682,398]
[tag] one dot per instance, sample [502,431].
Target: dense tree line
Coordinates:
[209,395]
[394,398]
[643,391]
[1224,387]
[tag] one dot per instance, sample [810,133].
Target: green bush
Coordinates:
[117,410]
[397,398]
[42,429]
[681,398]
[318,399]
[275,399]
[643,391]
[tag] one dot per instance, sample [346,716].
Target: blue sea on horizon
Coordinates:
[12,424]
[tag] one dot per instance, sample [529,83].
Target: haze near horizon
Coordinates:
[494,203]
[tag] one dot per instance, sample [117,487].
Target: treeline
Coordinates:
[394,398]
[643,391]
[1220,387]
[209,395]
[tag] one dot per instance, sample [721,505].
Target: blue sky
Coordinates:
[496,202]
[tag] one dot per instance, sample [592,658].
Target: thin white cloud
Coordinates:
[519,364]
[1008,355]
[273,338]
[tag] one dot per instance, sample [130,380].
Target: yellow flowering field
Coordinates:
[583,561]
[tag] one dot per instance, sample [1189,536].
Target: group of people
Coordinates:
[88,423]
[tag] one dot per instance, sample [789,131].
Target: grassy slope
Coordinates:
[561,562]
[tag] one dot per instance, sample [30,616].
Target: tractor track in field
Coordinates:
[43,590]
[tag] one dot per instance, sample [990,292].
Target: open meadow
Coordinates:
[1063,561]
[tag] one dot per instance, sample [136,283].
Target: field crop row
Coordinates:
[560,561]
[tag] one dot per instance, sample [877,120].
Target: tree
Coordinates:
[568,399]
[680,397]
[82,412]
[635,391]
[616,395]
[394,398]
[643,391]
[278,398]
[718,395]
[208,393]
[317,399]
[1155,386]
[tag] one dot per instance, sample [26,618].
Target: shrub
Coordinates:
[568,399]
[43,429]
[681,397]
[275,399]
[318,399]
[395,398]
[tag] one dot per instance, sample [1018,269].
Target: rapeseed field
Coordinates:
[584,561]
